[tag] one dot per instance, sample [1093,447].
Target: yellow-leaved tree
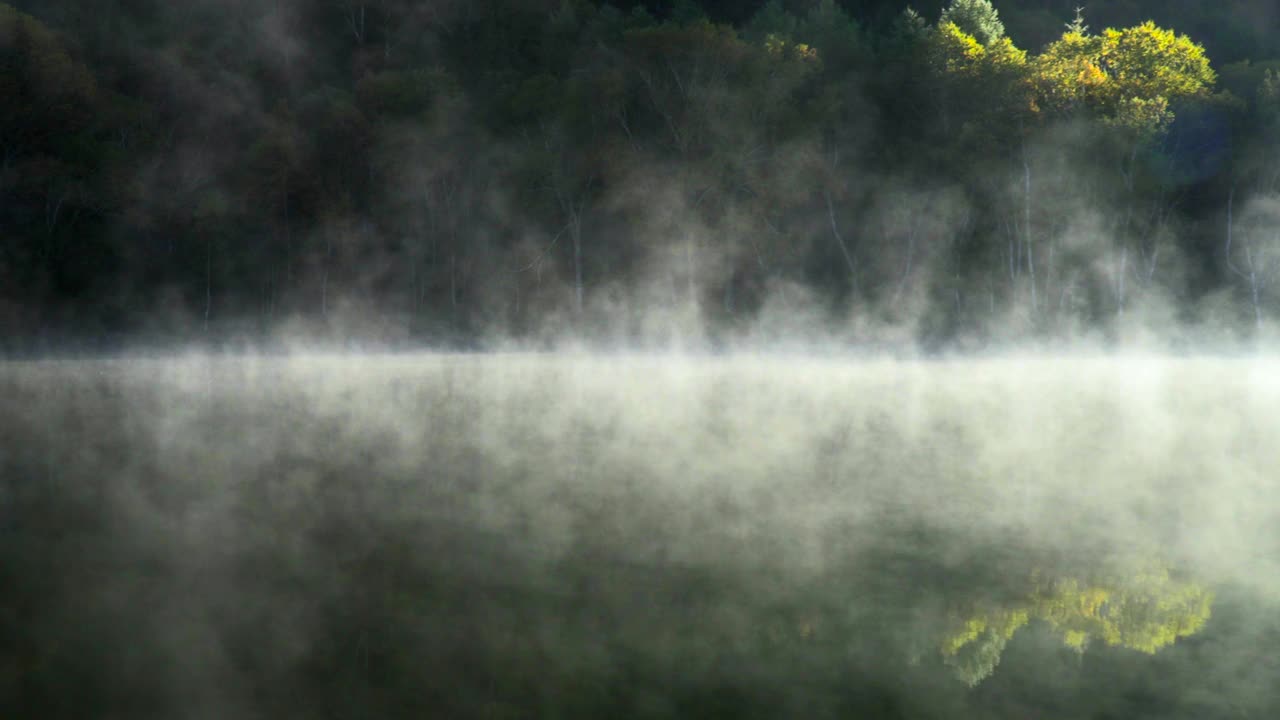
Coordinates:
[984,85]
[1129,78]
[1146,611]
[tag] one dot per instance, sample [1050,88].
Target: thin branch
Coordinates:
[537,261]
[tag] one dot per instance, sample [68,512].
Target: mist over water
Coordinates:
[783,452]
[562,535]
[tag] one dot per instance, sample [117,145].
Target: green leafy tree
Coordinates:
[974,651]
[50,96]
[982,86]
[977,18]
[685,12]
[772,19]
[1269,98]
[835,34]
[908,29]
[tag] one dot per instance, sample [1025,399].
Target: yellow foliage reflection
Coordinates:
[1145,612]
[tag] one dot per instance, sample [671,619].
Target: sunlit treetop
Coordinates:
[976,18]
[983,87]
[952,51]
[1128,78]
[779,47]
[826,31]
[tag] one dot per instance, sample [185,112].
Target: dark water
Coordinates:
[639,537]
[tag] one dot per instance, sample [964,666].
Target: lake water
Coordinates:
[640,536]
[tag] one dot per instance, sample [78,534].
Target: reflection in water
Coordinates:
[557,538]
[1145,611]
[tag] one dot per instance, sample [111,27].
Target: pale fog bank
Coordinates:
[469,533]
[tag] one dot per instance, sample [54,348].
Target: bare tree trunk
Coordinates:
[422,288]
[1013,259]
[573,203]
[1049,275]
[576,231]
[906,271]
[945,108]
[1253,274]
[1231,196]
[53,209]
[1026,228]
[1068,289]
[208,281]
[324,276]
[692,268]
[1120,275]
[355,20]
[288,234]
[844,248]
[1126,172]
[1253,288]
[453,282]
[676,136]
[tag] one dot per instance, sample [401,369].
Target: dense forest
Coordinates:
[451,173]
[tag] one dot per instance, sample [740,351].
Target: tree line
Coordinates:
[445,172]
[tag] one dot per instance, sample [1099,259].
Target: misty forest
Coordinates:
[458,173]
[662,359]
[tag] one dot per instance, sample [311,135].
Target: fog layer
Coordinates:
[647,536]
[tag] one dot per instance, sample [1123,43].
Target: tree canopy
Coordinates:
[1130,78]
[976,18]
[1040,186]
